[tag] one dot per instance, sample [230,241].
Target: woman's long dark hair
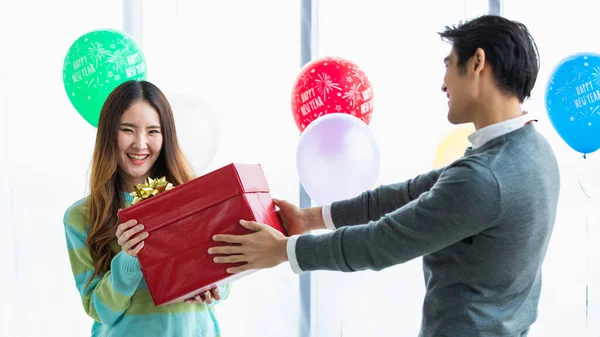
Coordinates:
[105,188]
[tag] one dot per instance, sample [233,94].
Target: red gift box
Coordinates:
[182,221]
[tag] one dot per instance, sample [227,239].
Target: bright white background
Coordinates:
[240,59]
[403,59]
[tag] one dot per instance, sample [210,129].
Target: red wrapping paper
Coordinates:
[182,221]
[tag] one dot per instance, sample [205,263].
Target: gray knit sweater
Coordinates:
[482,225]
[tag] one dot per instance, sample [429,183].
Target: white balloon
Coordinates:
[198,130]
[337,158]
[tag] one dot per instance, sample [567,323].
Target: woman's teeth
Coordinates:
[137,156]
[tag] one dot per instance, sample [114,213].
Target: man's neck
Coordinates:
[496,109]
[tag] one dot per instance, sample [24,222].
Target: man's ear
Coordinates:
[478,60]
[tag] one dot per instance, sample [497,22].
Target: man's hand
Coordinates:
[265,248]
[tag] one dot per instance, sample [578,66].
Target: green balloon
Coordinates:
[96,63]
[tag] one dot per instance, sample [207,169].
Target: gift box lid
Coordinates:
[197,194]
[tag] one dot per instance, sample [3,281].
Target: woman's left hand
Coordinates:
[206,297]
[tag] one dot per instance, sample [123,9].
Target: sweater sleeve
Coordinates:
[464,201]
[372,205]
[107,297]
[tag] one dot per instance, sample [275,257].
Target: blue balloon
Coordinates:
[573,101]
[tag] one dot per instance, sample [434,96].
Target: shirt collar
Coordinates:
[484,135]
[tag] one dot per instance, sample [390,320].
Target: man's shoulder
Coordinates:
[474,168]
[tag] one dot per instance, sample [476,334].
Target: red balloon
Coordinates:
[331,85]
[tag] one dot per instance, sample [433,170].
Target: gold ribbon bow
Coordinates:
[149,189]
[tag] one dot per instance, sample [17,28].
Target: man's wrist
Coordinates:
[283,249]
[312,218]
[305,217]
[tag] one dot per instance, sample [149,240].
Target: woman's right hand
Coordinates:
[297,220]
[207,297]
[125,237]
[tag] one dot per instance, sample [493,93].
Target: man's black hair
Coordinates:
[508,46]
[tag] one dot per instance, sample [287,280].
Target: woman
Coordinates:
[136,138]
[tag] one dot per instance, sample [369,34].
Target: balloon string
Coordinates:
[582,189]
[587,268]
[587,245]
[581,183]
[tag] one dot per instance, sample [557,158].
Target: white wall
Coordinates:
[7,256]
[241,58]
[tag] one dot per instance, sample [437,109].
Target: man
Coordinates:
[481,224]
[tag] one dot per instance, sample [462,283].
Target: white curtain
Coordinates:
[46,152]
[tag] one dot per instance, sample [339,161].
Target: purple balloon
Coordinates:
[337,158]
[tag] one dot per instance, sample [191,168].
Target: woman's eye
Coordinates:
[127,130]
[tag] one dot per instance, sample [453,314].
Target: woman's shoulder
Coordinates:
[76,215]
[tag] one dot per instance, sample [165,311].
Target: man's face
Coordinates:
[460,89]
